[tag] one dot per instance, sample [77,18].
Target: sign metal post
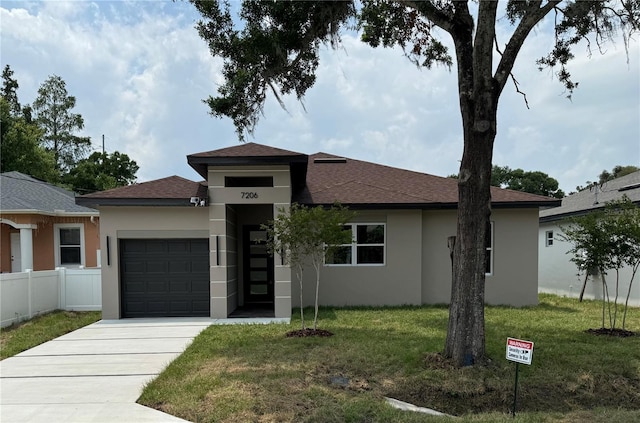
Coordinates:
[519,351]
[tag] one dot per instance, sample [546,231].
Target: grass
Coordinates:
[17,338]
[255,373]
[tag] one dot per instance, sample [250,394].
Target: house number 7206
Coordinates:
[249,194]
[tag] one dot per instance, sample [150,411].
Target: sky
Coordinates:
[140,72]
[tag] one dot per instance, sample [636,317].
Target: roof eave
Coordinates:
[432,206]
[132,202]
[52,213]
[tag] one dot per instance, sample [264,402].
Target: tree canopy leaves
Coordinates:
[52,110]
[606,176]
[46,146]
[101,171]
[304,234]
[607,239]
[535,182]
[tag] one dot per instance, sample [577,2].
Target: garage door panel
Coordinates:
[156,246]
[156,287]
[201,246]
[200,286]
[133,287]
[133,246]
[178,246]
[156,266]
[164,277]
[133,267]
[201,307]
[182,266]
[200,267]
[180,287]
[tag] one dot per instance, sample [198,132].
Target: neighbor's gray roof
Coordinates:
[590,199]
[22,193]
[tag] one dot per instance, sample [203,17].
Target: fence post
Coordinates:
[62,288]
[29,294]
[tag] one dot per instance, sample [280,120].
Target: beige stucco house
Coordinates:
[175,247]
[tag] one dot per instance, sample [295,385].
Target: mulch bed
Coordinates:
[622,333]
[301,333]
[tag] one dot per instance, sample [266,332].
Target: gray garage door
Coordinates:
[164,277]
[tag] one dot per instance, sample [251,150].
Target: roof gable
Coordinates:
[249,149]
[21,192]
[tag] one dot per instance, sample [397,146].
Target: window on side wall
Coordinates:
[489,248]
[549,238]
[69,245]
[367,247]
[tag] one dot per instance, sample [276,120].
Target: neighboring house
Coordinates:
[42,227]
[557,273]
[174,247]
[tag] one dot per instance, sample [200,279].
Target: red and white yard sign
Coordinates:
[519,350]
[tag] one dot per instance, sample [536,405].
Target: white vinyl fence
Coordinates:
[27,294]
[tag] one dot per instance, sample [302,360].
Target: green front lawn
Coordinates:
[255,373]
[17,338]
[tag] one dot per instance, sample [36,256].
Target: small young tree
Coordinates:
[608,239]
[308,233]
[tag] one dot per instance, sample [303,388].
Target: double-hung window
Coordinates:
[366,249]
[69,244]
[549,238]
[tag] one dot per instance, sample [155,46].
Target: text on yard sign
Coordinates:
[519,350]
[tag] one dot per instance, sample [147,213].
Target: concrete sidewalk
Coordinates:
[94,374]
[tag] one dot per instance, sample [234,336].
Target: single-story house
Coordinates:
[42,227]
[557,273]
[175,247]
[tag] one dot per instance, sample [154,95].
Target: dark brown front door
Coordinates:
[258,267]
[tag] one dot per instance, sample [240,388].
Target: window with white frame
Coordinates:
[549,238]
[489,247]
[69,244]
[366,249]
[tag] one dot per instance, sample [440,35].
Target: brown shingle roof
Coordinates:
[172,190]
[249,149]
[328,178]
[356,182]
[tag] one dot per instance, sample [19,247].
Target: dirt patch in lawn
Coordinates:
[622,333]
[301,333]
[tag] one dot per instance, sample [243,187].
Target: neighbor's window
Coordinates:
[69,245]
[549,238]
[367,247]
[489,248]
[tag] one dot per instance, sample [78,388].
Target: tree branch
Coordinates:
[431,12]
[482,45]
[529,20]
[513,78]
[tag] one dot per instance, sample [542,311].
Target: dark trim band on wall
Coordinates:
[108,251]
[217,252]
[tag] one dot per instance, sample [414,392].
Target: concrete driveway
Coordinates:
[94,374]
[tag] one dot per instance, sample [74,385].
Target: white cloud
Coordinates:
[139,72]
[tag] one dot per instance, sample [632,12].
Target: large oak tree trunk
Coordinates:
[465,342]
[478,95]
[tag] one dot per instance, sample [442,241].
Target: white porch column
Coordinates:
[26,248]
